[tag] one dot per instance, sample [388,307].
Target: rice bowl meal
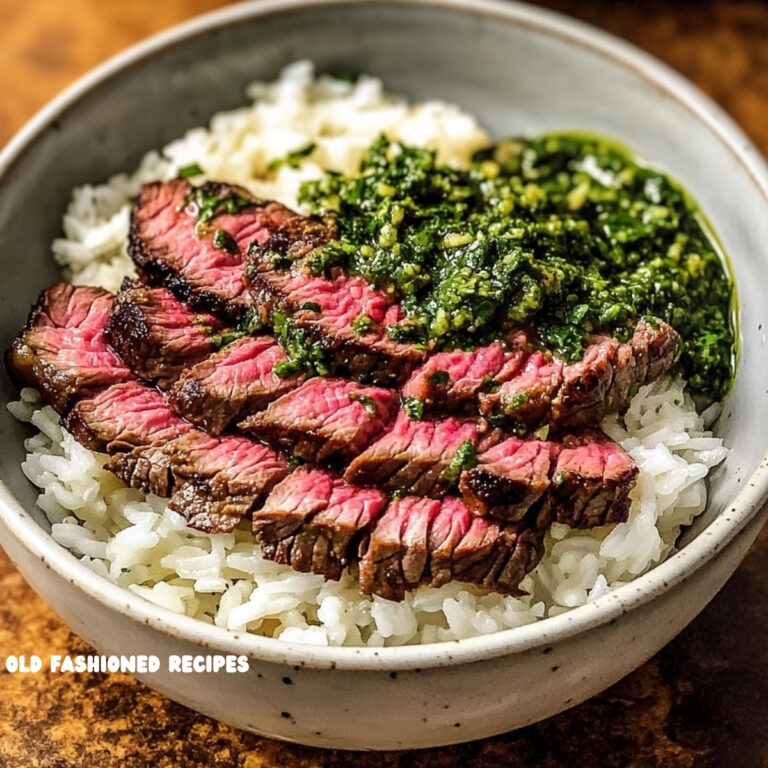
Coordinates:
[341,369]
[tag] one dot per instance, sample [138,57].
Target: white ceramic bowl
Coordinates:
[520,70]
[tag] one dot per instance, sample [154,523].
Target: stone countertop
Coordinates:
[702,701]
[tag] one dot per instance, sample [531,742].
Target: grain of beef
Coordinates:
[452,381]
[509,478]
[221,479]
[156,335]
[342,312]
[203,264]
[583,481]
[233,383]
[591,483]
[422,541]
[62,350]
[146,468]
[133,423]
[416,457]
[325,419]
[123,417]
[549,392]
[315,522]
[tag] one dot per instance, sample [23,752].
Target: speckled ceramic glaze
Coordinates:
[521,70]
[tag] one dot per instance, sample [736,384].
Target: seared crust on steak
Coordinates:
[221,479]
[425,541]
[315,522]
[231,384]
[156,335]
[170,250]
[583,481]
[547,391]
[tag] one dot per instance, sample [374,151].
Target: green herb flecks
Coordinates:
[310,306]
[568,235]
[439,378]
[203,324]
[463,460]
[366,401]
[249,324]
[188,171]
[302,353]
[225,242]
[414,408]
[520,399]
[362,325]
[209,204]
[292,159]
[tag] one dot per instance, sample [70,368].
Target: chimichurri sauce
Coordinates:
[565,234]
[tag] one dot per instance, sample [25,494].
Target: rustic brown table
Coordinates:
[702,701]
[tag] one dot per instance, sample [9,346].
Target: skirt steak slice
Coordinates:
[547,391]
[314,521]
[62,350]
[125,416]
[342,312]
[156,335]
[231,384]
[221,479]
[324,419]
[415,457]
[200,261]
[422,541]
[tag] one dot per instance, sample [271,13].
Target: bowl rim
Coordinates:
[743,507]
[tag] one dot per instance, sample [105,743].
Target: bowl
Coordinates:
[521,70]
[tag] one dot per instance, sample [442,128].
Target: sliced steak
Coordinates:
[452,381]
[200,265]
[509,478]
[343,313]
[591,483]
[220,479]
[147,468]
[415,457]
[549,392]
[156,335]
[422,541]
[583,481]
[527,398]
[648,355]
[314,521]
[62,350]
[325,419]
[123,417]
[233,383]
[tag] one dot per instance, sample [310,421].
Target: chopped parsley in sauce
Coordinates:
[225,242]
[366,401]
[463,460]
[567,234]
[208,204]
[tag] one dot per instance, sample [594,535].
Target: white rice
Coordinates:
[135,541]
